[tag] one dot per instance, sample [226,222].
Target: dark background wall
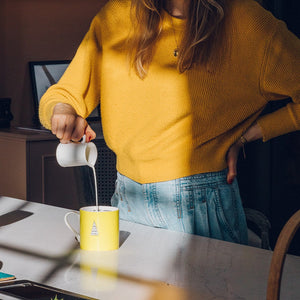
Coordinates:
[270,175]
[33,30]
[287,10]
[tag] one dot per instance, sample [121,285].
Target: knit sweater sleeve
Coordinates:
[80,84]
[280,78]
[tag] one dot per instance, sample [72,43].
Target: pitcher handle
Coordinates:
[77,235]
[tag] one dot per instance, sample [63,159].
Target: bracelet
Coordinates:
[243,141]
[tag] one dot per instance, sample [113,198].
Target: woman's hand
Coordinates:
[253,133]
[68,126]
[232,157]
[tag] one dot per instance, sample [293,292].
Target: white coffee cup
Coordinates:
[74,154]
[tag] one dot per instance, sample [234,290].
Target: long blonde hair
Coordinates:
[202,37]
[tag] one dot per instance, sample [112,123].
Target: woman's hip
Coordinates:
[203,204]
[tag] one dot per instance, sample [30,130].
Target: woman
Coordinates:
[182,85]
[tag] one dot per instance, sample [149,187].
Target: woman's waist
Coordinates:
[168,165]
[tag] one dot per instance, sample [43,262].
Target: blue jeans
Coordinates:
[202,204]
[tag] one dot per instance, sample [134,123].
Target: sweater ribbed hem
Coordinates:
[207,158]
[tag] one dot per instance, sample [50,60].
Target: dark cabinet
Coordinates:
[29,171]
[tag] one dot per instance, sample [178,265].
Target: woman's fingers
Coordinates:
[68,130]
[58,126]
[79,128]
[68,126]
[89,133]
[63,126]
[231,162]
[54,125]
[232,157]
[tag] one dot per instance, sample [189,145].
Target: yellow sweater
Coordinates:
[172,125]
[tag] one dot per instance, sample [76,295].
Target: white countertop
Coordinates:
[151,263]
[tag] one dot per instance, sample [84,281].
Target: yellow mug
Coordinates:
[99,227]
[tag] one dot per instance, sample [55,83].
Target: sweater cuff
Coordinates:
[45,112]
[277,123]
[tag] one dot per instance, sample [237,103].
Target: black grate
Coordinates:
[106,172]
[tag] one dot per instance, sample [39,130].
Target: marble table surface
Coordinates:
[151,263]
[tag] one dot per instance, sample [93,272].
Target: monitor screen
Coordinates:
[43,74]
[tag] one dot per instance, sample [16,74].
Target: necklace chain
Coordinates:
[176,50]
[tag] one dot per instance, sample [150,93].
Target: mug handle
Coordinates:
[77,235]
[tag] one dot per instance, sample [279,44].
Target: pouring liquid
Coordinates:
[92,166]
[96,190]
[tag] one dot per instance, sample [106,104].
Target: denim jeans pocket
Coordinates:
[115,197]
[201,216]
[119,200]
[227,213]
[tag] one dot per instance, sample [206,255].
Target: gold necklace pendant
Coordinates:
[175,52]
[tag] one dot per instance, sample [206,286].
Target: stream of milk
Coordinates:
[96,190]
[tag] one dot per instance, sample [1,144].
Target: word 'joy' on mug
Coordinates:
[99,227]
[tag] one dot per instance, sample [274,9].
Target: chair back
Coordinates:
[282,245]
